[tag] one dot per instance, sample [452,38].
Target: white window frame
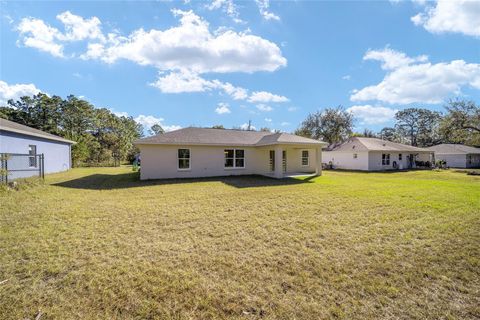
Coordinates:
[400,157]
[355,156]
[32,157]
[307,157]
[234,159]
[189,160]
[385,158]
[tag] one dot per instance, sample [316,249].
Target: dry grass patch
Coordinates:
[97,243]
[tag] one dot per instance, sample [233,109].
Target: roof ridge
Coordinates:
[360,141]
[227,129]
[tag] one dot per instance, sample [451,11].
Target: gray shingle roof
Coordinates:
[10,126]
[225,137]
[447,148]
[374,144]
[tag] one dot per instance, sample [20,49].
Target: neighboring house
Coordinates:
[457,155]
[24,144]
[202,152]
[372,154]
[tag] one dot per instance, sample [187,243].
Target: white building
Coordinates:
[457,155]
[372,154]
[205,152]
[23,146]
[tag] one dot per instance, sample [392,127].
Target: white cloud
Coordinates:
[94,51]
[245,127]
[149,121]
[392,59]
[15,91]
[263,6]
[228,6]
[182,53]
[292,109]
[171,128]
[263,96]
[372,115]
[78,28]
[192,46]
[187,81]
[182,81]
[457,16]
[285,123]
[36,34]
[268,120]
[264,107]
[346,77]
[237,93]
[419,81]
[8,18]
[223,108]
[120,113]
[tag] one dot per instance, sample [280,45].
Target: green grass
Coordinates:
[96,243]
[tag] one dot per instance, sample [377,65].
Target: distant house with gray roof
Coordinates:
[372,154]
[457,155]
[23,144]
[206,152]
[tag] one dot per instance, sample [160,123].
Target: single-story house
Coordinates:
[457,155]
[372,154]
[24,144]
[204,152]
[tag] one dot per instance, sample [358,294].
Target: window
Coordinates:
[234,158]
[32,151]
[399,156]
[183,159]
[385,159]
[272,160]
[355,156]
[305,158]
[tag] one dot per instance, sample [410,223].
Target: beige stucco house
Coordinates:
[205,152]
[372,154]
[457,155]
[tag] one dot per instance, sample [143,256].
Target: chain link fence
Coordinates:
[15,165]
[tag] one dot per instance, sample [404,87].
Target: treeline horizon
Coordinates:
[419,127]
[101,137]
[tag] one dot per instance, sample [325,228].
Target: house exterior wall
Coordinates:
[459,160]
[294,160]
[473,161]
[375,160]
[57,154]
[369,160]
[161,162]
[346,160]
[453,160]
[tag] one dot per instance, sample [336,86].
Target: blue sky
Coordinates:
[227,62]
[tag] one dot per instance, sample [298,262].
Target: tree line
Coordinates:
[101,136]
[418,127]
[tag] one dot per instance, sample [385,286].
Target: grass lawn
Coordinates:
[96,243]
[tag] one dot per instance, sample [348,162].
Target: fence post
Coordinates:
[6,169]
[43,166]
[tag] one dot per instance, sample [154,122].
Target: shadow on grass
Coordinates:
[132,180]
[378,171]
